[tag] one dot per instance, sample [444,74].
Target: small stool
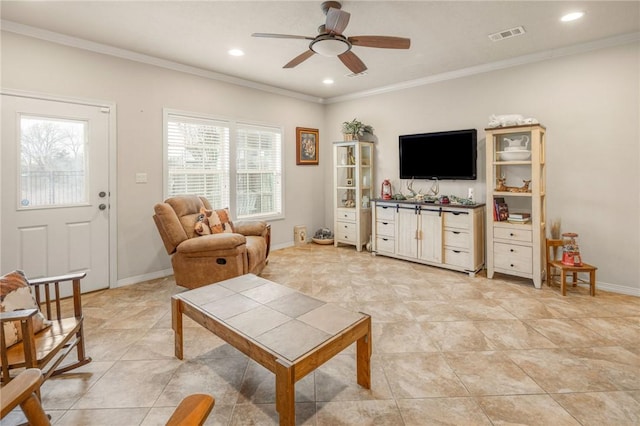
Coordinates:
[555,246]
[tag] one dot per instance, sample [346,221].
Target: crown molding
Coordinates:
[493,66]
[105,49]
[79,43]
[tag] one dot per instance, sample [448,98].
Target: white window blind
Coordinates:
[258,170]
[232,164]
[198,158]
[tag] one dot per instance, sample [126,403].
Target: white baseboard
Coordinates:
[282,246]
[144,277]
[616,288]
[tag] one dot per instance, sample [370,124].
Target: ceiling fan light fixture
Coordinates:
[330,46]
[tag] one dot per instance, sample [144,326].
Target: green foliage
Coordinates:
[356,128]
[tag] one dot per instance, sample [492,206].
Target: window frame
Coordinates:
[233,124]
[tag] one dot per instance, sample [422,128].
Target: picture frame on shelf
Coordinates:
[307,146]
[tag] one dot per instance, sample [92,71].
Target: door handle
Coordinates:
[102,194]
[102,206]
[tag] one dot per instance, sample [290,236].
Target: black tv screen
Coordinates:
[439,155]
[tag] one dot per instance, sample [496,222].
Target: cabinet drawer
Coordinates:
[456,257]
[512,250]
[456,220]
[385,245]
[513,234]
[513,263]
[385,212]
[458,239]
[385,228]
[344,214]
[346,231]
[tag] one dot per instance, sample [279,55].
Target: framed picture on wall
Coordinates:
[307,146]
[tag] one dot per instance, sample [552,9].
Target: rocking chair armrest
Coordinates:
[19,390]
[60,278]
[193,410]
[18,315]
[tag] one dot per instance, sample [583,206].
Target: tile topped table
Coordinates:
[285,331]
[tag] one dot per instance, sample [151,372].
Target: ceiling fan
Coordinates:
[331,42]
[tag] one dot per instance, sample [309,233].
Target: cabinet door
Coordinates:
[430,241]
[407,235]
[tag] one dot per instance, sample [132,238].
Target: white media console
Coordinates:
[444,235]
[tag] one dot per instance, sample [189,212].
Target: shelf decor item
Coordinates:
[385,190]
[307,146]
[323,236]
[570,250]
[354,129]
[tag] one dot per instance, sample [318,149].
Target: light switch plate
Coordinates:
[141,178]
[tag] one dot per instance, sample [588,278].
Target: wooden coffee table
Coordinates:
[285,331]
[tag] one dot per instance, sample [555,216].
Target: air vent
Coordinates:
[504,34]
[360,74]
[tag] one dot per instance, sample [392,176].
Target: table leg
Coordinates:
[285,393]
[176,324]
[592,282]
[363,358]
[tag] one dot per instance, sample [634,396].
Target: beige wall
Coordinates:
[589,103]
[590,106]
[141,92]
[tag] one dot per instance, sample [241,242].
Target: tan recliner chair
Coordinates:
[201,260]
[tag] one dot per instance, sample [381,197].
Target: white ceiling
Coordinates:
[446,36]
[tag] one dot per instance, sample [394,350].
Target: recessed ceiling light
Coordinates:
[236,52]
[572,16]
[327,81]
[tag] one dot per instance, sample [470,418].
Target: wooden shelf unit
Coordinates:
[514,248]
[353,192]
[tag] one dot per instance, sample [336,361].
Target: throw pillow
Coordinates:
[202,222]
[220,221]
[15,294]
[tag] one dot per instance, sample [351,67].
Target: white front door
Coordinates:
[55,189]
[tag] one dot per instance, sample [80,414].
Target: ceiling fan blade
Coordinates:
[270,35]
[337,20]
[299,59]
[352,62]
[385,42]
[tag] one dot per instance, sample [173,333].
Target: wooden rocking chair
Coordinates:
[46,349]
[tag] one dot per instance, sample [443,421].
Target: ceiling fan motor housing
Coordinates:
[326,5]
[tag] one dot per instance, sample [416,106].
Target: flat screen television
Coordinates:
[439,155]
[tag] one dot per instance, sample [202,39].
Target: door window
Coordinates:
[53,156]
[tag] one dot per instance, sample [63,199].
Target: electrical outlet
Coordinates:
[470,194]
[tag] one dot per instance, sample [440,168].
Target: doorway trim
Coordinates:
[112,141]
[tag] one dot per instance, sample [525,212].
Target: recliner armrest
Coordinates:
[255,227]
[211,243]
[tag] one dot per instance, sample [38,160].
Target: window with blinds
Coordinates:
[197,153]
[207,156]
[258,170]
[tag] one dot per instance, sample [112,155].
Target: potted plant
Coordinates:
[355,129]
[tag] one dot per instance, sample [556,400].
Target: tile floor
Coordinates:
[447,349]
